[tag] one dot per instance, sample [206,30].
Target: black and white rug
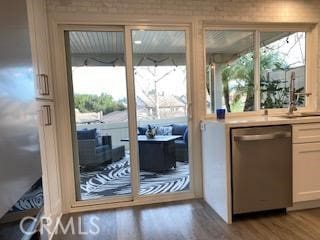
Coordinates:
[114,179]
[33,198]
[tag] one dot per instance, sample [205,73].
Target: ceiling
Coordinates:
[151,42]
[96,42]
[228,42]
[161,44]
[237,42]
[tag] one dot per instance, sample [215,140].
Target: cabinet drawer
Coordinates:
[306,133]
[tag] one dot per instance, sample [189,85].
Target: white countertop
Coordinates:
[262,120]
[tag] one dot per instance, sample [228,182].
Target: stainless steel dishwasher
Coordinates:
[261,168]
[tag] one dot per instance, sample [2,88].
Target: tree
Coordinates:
[153,74]
[242,72]
[95,103]
[226,78]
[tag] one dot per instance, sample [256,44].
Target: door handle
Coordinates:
[46,113]
[258,137]
[43,84]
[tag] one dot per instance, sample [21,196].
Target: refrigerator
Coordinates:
[20,165]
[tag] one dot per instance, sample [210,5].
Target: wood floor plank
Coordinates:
[195,220]
[128,226]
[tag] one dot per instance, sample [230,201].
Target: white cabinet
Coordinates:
[216,168]
[306,133]
[39,39]
[49,156]
[306,162]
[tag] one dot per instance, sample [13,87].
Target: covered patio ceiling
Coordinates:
[144,42]
[157,47]
[237,42]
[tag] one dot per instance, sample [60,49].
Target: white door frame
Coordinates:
[63,119]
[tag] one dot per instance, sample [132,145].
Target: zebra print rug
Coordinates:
[33,198]
[114,179]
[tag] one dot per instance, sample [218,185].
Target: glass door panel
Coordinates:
[98,103]
[160,78]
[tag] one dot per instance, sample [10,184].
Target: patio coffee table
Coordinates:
[156,154]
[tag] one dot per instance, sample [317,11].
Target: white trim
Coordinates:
[190,115]
[311,74]
[304,205]
[103,200]
[64,132]
[132,121]
[62,116]
[114,20]
[256,70]
[92,28]
[196,83]
[311,29]
[262,27]
[131,93]
[141,201]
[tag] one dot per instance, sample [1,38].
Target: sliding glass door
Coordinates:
[98,97]
[128,94]
[160,78]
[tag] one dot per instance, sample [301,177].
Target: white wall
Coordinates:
[237,11]
[195,12]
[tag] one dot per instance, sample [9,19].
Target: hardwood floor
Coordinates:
[193,220]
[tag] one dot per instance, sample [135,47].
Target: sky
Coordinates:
[292,49]
[112,80]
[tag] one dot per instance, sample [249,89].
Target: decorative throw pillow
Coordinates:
[164,131]
[142,130]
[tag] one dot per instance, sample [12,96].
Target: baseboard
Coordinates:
[304,205]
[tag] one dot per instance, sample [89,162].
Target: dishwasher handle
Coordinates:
[268,136]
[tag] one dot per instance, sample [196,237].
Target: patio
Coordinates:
[112,177]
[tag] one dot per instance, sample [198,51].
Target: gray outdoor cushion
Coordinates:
[164,131]
[86,134]
[178,129]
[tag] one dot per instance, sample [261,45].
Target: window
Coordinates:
[281,55]
[234,63]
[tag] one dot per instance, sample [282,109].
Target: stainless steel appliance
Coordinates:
[20,164]
[261,168]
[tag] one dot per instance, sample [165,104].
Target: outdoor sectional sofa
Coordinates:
[181,144]
[94,149]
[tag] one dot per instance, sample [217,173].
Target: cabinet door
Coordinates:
[49,159]
[39,38]
[306,172]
